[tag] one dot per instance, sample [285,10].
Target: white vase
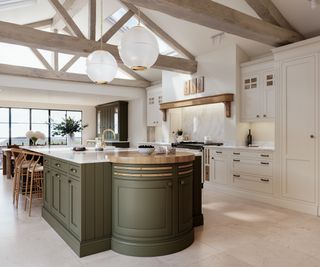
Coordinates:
[70,140]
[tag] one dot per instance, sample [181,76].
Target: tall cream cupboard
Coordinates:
[297,124]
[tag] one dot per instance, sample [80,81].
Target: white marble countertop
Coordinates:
[79,157]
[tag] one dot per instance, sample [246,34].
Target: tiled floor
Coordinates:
[236,233]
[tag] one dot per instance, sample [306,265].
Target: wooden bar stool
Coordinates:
[19,170]
[23,162]
[34,182]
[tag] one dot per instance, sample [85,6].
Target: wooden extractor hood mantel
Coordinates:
[223,98]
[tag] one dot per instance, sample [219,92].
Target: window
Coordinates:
[56,117]
[15,122]
[20,124]
[4,126]
[40,122]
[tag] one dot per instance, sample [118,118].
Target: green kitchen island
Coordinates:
[121,200]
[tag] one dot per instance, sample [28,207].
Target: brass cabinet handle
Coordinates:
[264,155]
[236,153]
[264,163]
[264,180]
[236,175]
[264,115]
[236,160]
[258,116]
[219,152]
[311,136]
[58,165]
[73,170]
[58,175]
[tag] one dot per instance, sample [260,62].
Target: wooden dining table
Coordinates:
[6,162]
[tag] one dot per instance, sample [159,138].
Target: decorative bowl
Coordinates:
[146,150]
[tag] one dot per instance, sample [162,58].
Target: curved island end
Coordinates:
[152,210]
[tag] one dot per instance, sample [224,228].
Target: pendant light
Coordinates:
[139,48]
[101,65]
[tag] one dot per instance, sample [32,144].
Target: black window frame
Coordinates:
[49,122]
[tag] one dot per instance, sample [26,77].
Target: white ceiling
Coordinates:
[195,38]
[49,97]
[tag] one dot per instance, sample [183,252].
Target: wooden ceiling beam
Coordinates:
[40,24]
[158,31]
[23,35]
[72,26]
[219,17]
[117,26]
[70,63]
[41,58]
[92,19]
[267,11]
[63,76]
[132,73]
[73,7]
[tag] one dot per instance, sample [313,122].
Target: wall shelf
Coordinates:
[222,98]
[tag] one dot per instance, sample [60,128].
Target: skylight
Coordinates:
[165,49]
[11,4]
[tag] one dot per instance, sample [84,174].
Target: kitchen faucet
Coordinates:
[103,135]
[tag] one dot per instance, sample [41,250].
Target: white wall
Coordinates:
[88,113]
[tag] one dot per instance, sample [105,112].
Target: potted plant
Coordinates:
[68,127]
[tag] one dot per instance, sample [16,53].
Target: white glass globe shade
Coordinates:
[101,67]
[139,48]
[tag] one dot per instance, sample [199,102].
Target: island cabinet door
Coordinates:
[75,207]
[60,197]
[47,189]
[185,203]
[142,208]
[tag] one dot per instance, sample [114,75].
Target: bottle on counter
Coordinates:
[249,139]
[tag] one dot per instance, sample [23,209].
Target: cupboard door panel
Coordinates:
[185,203]
[145,208]
[75,207]
[250,98]
[299,95]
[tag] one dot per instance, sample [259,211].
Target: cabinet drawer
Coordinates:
[255,167]
[75,170]
[59,165]
[253,154]
[219,153]
[252,183]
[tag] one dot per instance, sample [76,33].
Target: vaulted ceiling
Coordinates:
[195,38]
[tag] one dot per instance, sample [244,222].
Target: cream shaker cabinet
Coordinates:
[154,99]
[299,121]
[257,92]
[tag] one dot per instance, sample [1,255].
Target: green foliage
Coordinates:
[68,126]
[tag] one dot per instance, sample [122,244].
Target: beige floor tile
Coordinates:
[196,252]
[270,254]
[221,260]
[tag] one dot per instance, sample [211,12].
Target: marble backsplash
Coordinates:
[200,121]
